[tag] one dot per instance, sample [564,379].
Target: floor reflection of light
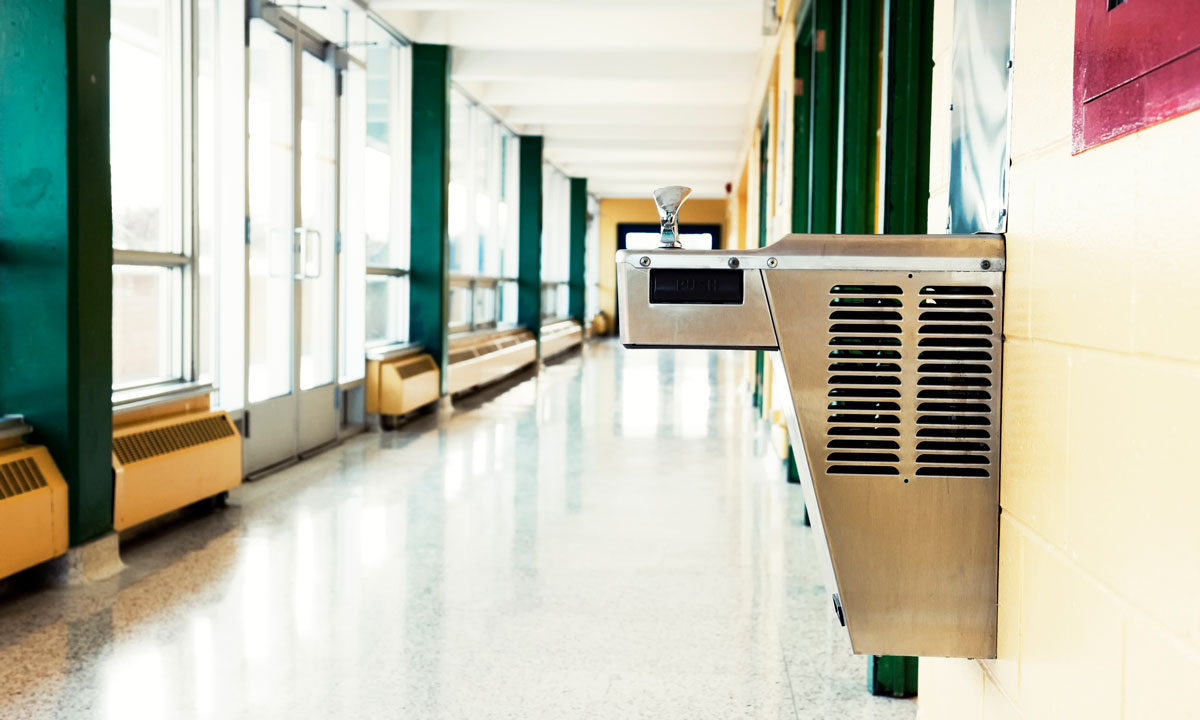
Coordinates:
[479,452]
[304,589]
[135,685]
[639,400]
[256,600]
[692,389]
[373,535]
[452,474]
[203,665]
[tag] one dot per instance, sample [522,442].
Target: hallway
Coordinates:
[603,540]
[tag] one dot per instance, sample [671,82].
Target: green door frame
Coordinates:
[56,244]
[529,236]
[578,250]
[429,271]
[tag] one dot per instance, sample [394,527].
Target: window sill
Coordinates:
[151,395]
[392,351]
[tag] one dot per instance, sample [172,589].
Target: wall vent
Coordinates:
[957,381]
[160,441]
[20,476]
[864,385]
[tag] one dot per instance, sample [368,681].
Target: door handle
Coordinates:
[298,240]
[313,260]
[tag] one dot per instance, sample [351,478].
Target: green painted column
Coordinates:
[578,298]
[906,195]
[864,40]
[529,236]
[56,243]
[429,268]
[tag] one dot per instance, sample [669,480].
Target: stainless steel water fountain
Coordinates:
[890,346]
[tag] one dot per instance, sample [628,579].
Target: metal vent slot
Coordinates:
[20,476]
[954,417]
[460,355]
[408,370]
[864,412]
[160,441]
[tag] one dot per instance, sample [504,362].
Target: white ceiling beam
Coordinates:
[604,146]
[461,5]
[607,92]
[656,157]
[678,115]
[650,66]
[562,26]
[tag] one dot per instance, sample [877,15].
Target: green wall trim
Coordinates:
[429,270]
[56,244]
[910,99]
[864,41]
[802,128]
[826,75]
[578,252]
[529,236]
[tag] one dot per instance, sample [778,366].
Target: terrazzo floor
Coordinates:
[613,538]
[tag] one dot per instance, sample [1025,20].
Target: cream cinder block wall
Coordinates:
[1100,543]
[614,211]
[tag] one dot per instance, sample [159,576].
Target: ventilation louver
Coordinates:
[20,476]
[144,445]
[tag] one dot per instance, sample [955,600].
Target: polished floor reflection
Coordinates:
[610,539]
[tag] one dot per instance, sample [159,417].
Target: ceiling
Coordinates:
[630,94]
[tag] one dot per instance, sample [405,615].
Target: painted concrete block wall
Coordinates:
[1100,545]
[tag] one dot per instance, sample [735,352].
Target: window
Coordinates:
[482,220]
[385,189]
[556,243]
[161,322]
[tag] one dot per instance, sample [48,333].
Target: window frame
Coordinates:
[182,61]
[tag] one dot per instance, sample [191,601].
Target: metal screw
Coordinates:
[986,264]
[733,262]
[644,262]
[772,262]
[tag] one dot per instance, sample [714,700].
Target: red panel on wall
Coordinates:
[1137,63]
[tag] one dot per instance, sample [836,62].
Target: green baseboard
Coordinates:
[892,676]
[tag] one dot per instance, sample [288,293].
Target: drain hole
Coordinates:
[866,302]
[955,330]
[862,457]
[955,290]
[864,432]
[863,367]
[862,470]
[953,407]
[953,420]
[957,381]
[955,303]
[939,316]
[953,433]
[842,328]
[864,392]
[867,354]
[863,418]
[953,446]
[955,395]
[952,472]
[953,368]
[866,315]
[858,341]
[865,290]
[867,444]
[843,405]
[955,342]
[864,380]
[978,355]
[955,459]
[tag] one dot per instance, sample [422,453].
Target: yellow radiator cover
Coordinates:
[401,385]
[33,508]
[165,464]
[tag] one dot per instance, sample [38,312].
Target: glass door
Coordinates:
[291,224]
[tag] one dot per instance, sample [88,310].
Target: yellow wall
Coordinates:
[614,211]
[1099,536]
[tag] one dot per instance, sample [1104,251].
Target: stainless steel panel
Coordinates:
[979,119]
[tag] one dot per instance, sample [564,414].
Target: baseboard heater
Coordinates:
[169,457]
[559,337]
[33,501]
[479,359]
[399,382]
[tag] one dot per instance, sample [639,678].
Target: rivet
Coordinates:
[644,262]
[772,262]
[986,264]
[733,262]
